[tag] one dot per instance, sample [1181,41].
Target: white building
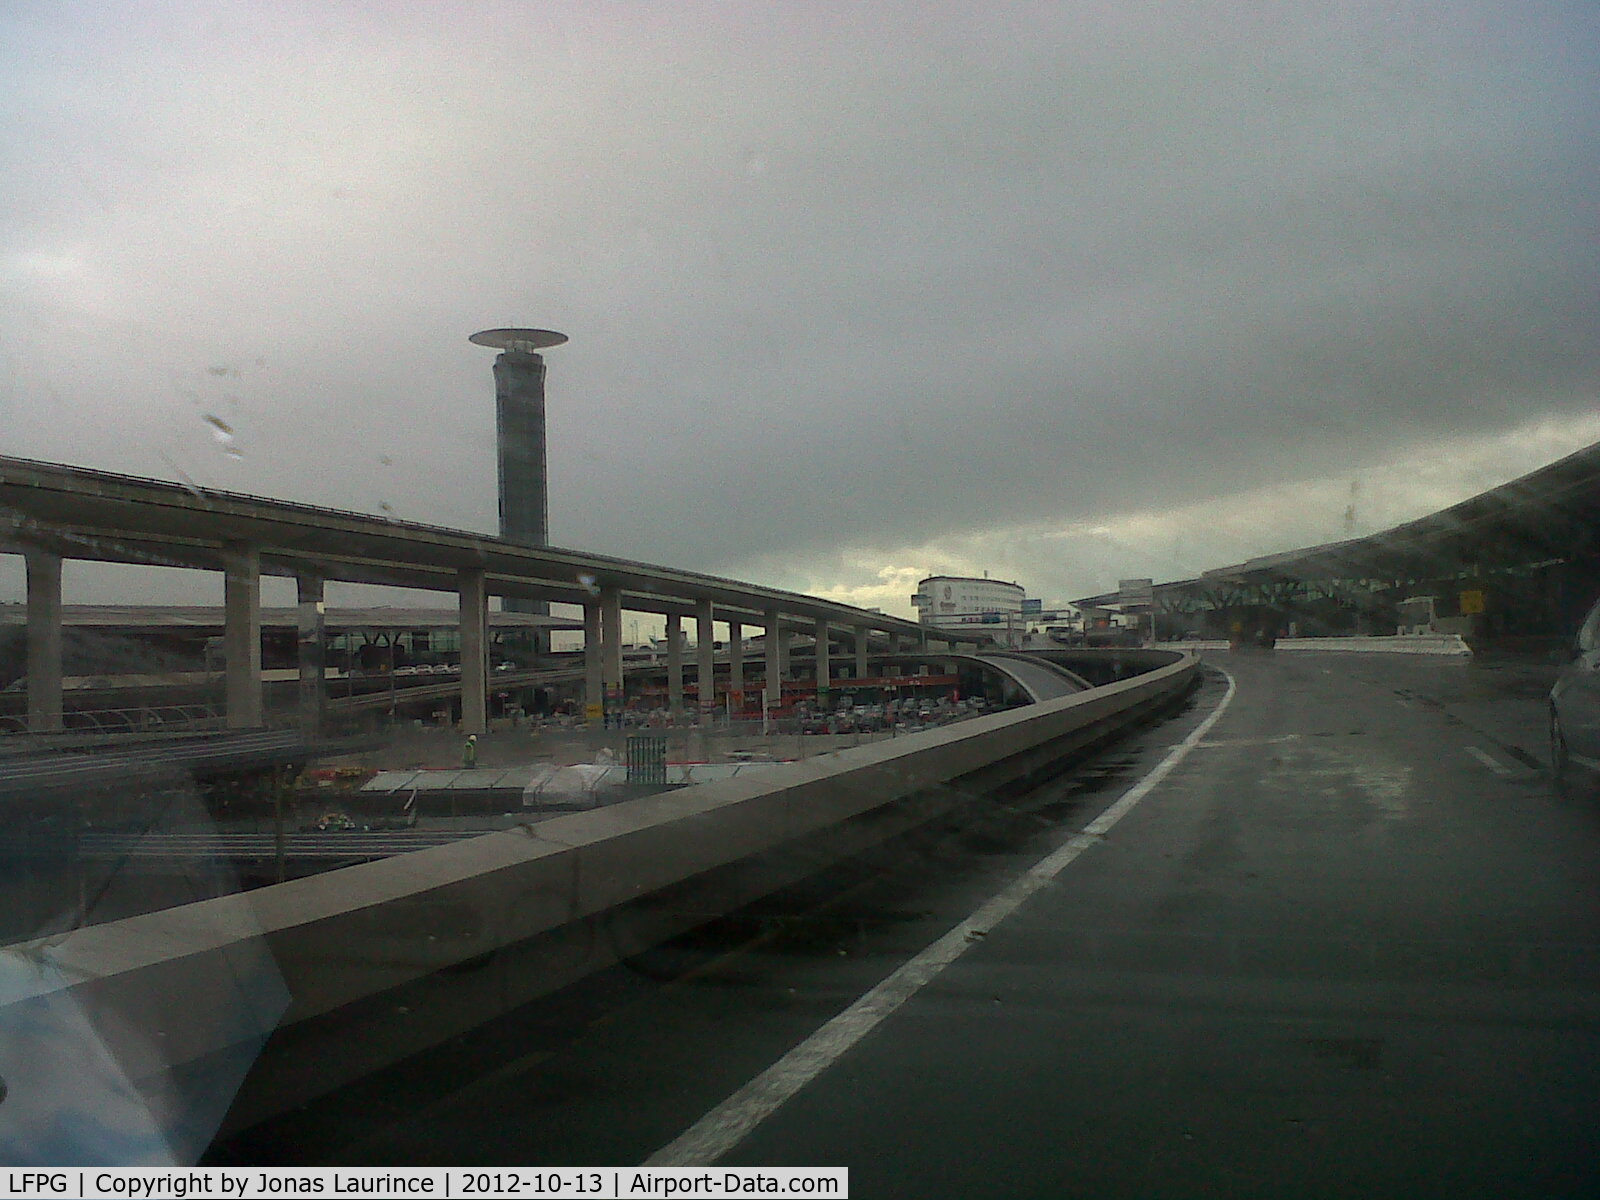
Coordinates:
[958,602]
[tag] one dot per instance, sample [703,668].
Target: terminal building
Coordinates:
[949,602]
[1511,568]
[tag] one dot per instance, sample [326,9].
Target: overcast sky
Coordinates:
[1065,292]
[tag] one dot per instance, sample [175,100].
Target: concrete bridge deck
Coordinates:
[1309,960]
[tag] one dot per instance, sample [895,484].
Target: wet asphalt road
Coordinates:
[1349,947]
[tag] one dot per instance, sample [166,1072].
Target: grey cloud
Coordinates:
[867,278]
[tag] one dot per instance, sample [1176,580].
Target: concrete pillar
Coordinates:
[241,635]
[705,656]
[824,668]
[611,645]
[44,640]
[861,652]
[311,625]
[474,604]
[594,677]
[735,665]
[774,640]
[675,667]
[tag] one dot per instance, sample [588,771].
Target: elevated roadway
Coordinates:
[1347,945]
[101,516]
[1039,679]
[51,512]
[1034,678]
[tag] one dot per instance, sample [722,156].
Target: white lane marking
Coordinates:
[1498,768]
[1271,741]
[730,1122]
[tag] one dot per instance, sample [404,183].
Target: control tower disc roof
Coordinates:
[518,341]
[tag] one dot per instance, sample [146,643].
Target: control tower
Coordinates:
[519,429]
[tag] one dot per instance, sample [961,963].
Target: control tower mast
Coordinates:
[520,436]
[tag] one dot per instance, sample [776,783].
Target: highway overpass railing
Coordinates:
[354,969]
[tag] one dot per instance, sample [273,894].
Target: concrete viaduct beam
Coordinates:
[705,657]
[241,636]
[675,668]
[774,644]
[44,641]
[474,603]
[611,644]
[594,676]
[311,628]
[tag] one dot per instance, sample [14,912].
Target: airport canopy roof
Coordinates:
[1551,514]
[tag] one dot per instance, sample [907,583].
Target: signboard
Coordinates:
[594,712]
[1032,607]
[1473,602]
[1137,593]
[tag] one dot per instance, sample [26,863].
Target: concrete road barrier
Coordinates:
[1450,644]
[382,959]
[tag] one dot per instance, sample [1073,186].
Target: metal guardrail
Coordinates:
[150,718]
[1448,644]
[163,762]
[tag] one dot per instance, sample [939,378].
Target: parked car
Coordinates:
[1575,714]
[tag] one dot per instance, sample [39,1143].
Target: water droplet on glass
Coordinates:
[223,433]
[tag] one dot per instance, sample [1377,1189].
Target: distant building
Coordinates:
[959,602]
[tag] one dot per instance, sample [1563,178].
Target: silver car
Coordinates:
[1575,714]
